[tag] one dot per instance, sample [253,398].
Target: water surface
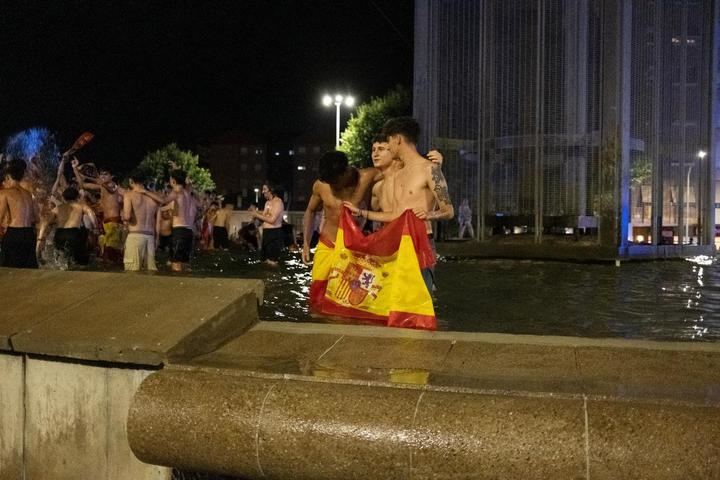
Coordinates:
[662,300]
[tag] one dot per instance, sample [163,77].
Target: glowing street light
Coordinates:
[257,196]
[338,100]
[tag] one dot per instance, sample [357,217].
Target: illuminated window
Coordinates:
[301,167]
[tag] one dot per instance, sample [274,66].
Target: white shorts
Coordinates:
[139,252]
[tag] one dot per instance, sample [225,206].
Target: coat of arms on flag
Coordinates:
[375,277]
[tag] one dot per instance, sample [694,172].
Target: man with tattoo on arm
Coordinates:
[420,185]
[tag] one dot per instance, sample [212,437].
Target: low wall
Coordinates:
[74,348]
[330,402]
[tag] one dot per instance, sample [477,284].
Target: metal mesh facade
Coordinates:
[573,117]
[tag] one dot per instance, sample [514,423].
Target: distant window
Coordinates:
[243,151]
[258,151]
[258,167]
[243,167]
[301,150]
[291,152]
[301,167]
[277,154]
[316,149]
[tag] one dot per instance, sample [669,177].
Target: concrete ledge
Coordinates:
[127,318]
[336,401]
[281,427]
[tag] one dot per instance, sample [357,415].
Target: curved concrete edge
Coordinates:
[258,427]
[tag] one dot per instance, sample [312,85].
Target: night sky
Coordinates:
[140,74]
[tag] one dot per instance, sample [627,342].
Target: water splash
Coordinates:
[37,146]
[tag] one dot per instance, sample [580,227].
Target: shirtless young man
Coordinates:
[419,185]
[16,204]
[183,220]
[70,234]
[221,225]
[140,215]
[272,233]
[338,182]
[111,204]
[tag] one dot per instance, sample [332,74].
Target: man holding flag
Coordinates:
[381,277]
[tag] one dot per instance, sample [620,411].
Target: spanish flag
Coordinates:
[375,277]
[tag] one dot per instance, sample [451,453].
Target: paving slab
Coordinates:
[127,318]
[266,351]
[30,297]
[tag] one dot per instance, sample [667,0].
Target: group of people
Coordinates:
[401,179]
[92,213]
[126,224]
[129,224]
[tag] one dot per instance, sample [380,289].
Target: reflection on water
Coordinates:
[646,300]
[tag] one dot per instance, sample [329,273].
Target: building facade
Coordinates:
[586,121]
[238,164]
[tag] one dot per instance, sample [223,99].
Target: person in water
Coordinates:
[70,235]
[419,185]
[140,215]
[18,209]
[110,203]
[272,233]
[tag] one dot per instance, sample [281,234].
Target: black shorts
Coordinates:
[182,244]
[273,241]
[220,237]
[73,243]
[18,248]
[165,242]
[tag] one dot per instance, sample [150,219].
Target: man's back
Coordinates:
[185,209]
[69,215]
[18,204]
[144,211]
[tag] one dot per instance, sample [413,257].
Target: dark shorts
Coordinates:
[182,244]
[165,242]
[220,237]
[273,241]
[18,248]
[73,243]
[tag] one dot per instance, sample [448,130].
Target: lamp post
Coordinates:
[338,100]
[257,196]
[701,154]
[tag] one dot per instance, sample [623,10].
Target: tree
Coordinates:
[368,119]
[157,165]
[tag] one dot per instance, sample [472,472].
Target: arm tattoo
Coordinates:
[441,189]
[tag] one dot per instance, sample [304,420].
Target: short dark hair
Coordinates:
[16,169]
[137,176]
[332,165]
[379,138]
[180,176]
[70,194]
[408,127]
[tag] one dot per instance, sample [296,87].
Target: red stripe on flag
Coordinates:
[386,241]
[412,320]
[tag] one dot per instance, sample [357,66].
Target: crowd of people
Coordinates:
[89,215]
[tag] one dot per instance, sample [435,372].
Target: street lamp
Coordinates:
[338,100]
[701,154]
[257,196]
